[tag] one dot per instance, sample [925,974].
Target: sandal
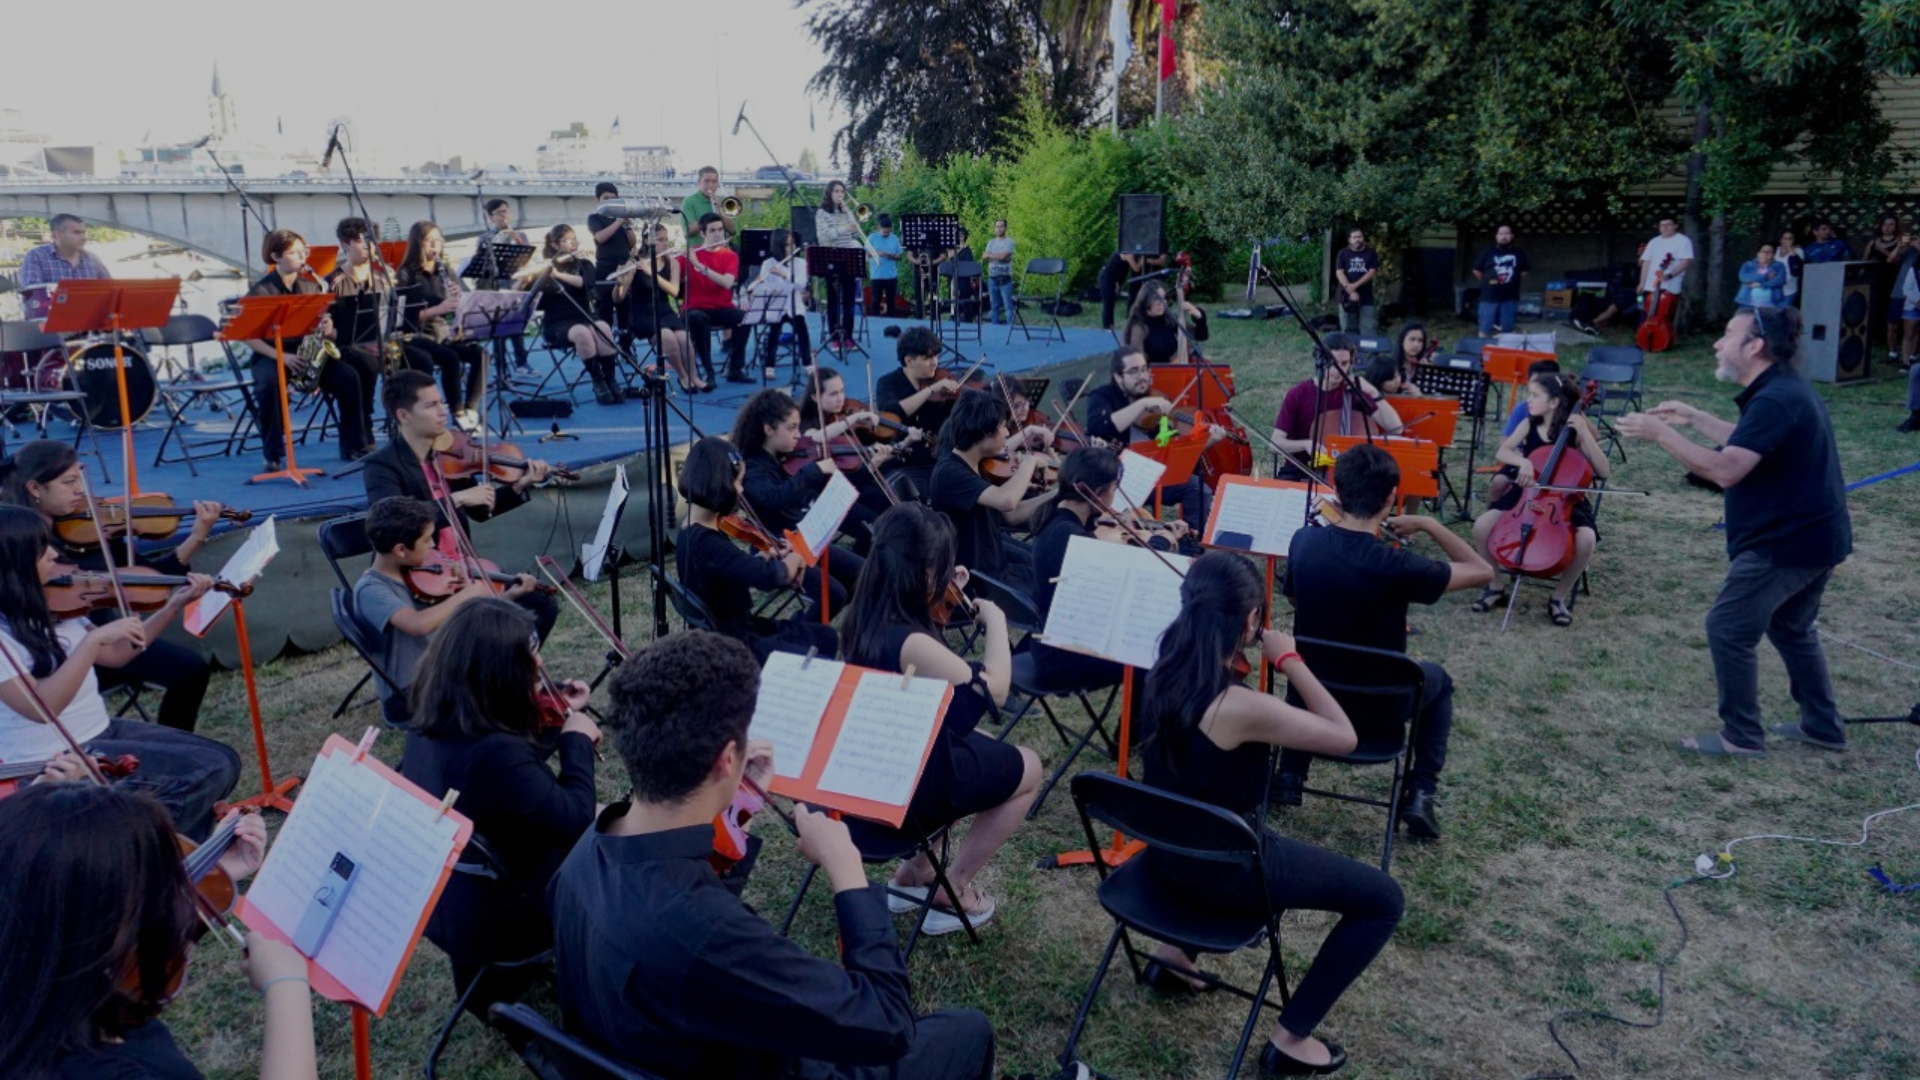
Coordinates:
[1796,733]
[1490,597]
[1559,612]
[1171,979]
[1712,745]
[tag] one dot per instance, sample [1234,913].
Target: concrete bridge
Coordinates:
[204,215]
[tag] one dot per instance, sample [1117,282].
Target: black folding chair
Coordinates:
[224,393]
[688,606]
[1039,272]
[1143,902]
[1382,694]
[552,1054]
[478,864]
[28,343]
[354,629]
[963,288]
[880,845]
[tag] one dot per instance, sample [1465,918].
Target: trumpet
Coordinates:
[730,206]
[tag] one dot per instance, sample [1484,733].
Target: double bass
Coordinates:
[1536,538]
[1656,332]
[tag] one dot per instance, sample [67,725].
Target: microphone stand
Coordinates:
[247,209]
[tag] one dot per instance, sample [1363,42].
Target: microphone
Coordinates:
[629,208]
[333,143]
[738,120]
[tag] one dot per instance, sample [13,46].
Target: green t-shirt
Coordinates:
[692,209]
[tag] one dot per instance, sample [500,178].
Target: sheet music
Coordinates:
[402,846]
[593,553]
[829,509]
[1113,601]
[246,564]
[791,703]
[1269,515]
[882,738]
[1139,475]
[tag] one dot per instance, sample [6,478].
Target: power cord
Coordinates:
[1709,868]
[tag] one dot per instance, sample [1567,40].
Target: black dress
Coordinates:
[649,308]
[564,306]
[723,577]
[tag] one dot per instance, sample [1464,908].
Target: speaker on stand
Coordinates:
[1143,224]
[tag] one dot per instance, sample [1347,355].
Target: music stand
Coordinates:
[1469,386]
[323,260]
[1181,455]
[1195,386]
[930,235]
[492,315]
[496,261]
[86,307]
[848,264]
[276,318]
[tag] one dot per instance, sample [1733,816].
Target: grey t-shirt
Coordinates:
[376,597]
[1000,245]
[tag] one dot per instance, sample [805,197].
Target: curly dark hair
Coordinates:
[676,706]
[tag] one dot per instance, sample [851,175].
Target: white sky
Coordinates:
[112,71]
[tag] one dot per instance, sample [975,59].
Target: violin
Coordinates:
[154,516]
[952,599]
[846,455]
[214,893]
[752,534]
[460,454]
[77,592]
[888,426]
[434,582]
[1535,538]
[730,842]
[12,773]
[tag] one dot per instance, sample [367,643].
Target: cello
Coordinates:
[1656,332]
[1535,538]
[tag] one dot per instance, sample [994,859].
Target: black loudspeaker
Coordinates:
[1143,224]
[1857,320]
[756,247]
[800,220]
[1838,316]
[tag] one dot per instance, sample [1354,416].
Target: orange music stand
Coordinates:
[323,259]
[1434,419]
[1121,848]
[1509,366]
[392,251]
[87,307]
[1181,456]
[1419,461]
[276,318]
[1171,381]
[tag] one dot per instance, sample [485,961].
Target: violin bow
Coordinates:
[51,718]
[1067,413]
[551,571]
[1289,458]
[113,572]
[1138,537]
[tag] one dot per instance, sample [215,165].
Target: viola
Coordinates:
[460,454]
[77,592]
[1535,538]
[13,772]
[434,582]
[154,516]
[1656,332]
[752,534]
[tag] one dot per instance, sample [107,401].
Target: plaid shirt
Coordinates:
[43,265]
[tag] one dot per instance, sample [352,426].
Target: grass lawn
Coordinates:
[1565,808]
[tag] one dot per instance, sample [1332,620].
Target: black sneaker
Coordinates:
[1910,425]
[1417,814]
[1584,327]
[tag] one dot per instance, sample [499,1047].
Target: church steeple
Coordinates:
[222,123]
[218,91]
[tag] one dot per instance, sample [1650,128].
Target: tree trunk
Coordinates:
[1696,197]
[1716,275]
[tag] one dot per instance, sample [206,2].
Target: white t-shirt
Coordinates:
[1657,251]
[22,739]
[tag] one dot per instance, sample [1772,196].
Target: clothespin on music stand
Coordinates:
[812,651]
[366,743]
[446,801]
[906,678]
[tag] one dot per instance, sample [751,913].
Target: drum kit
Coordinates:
[82,365]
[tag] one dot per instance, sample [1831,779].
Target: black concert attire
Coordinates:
[968,770]
[722,576]
[649,308]
[1182,759]
[1102,403]
[1348,587]
[1161,340]
[529,818]
[608,255]
[1580,514]
[980,542]
[1116,276]
[460,364]
[393,470]
[661,964]
[356,324]
[1061,667]
[564,306]
[265,370]
[181,672]
[914,459]
[873,501]
[147,1052]
[781,501]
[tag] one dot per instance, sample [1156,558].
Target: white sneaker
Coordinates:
[914,896]
[943,922]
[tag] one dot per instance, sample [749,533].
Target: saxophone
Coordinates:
[314,352]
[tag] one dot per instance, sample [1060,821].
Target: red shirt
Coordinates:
[702,294]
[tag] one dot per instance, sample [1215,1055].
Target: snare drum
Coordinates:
[87,367]
[36,301]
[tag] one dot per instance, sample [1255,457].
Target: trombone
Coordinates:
[862,213]
[730,206]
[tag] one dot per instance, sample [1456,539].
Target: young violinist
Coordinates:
[979,508]
[783,275]
[362,287]
[401,532]
[44,475]
[97,926]
[407,465]
[482,726]
[660,963]
[285,254]
[1348,587]
[432,297]
[723,577]
[892,625]
[922,399]
[186,773]
[1114,409]
[1338,401]
[1551,401]
[825,419]
[1153,329]
[1213,741]
[565,283]
[765,431]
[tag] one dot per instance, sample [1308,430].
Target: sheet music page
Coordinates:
[793,697]
[401,845]
[1139,475]
[248,562]
[1267,514]
[1113,601]
[829,509]
[593,553]
[882,738]
[1152,602]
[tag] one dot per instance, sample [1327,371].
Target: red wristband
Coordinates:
[1284,657]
